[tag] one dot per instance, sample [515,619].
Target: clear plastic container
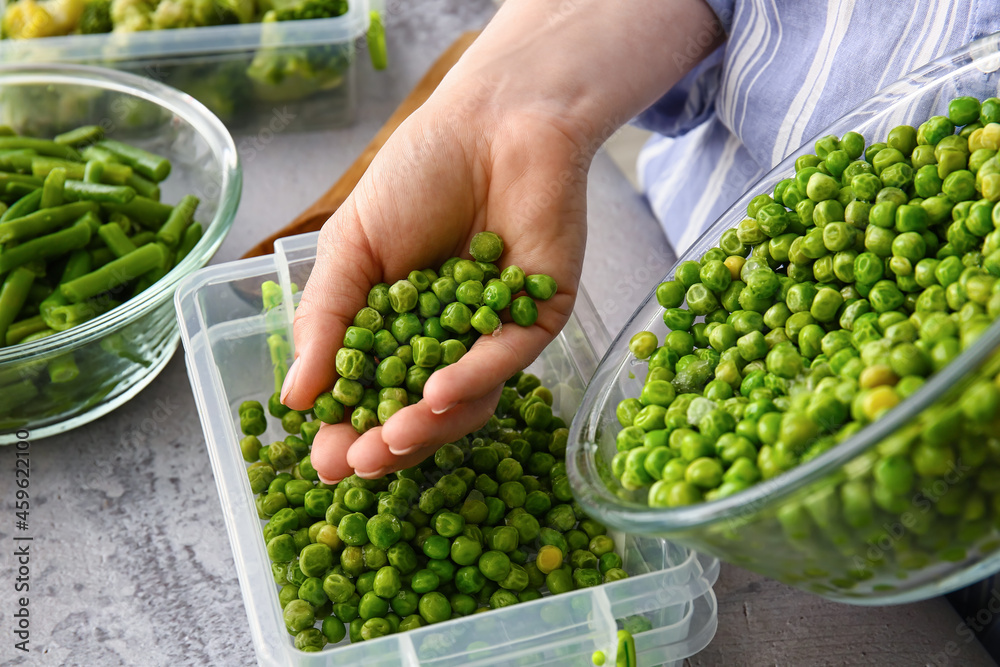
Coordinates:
[224,335]
[792,527]
[120,352]
[234,70]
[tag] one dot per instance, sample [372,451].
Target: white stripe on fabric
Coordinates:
[930,46]
[710,195]
[654,148]
[900,42]
[807,97]
[667,190]
[928,43]
[746,91]
[746,54]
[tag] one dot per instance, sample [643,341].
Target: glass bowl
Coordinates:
[121,351]
[942,535]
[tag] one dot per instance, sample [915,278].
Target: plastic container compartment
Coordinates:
[791,527]
[228,362]
[232,69]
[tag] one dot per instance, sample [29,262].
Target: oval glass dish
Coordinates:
[121,351]
[792,527]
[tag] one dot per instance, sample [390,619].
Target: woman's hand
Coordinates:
[453,169]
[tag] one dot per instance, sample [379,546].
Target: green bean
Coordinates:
[180,218]
[40,146]
[23,206]
[113,274]
[13,294]
[86,134]
[52,188]
[143,186]
[147,212]
[146,164]
[18,331]
[44,221]
[63,368]
[116,241]
[93,171]
[98,192]
[15,395]
[44,247]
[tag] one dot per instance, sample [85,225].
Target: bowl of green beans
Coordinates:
[113,188]
[813,391]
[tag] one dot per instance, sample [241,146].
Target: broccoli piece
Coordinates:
[192,14]
[285,74]
[308,9]
[28,19]
[223,88]
[96,17]
[244,10]
[132,15]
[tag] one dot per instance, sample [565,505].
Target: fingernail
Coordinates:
[371,475]
[404,452]
[289,383]
[445,409]
[328,481]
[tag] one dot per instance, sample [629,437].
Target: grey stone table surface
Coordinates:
[130,564]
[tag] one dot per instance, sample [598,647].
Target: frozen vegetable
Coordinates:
[79,240]
[849,285]
[436,316]
[457,534]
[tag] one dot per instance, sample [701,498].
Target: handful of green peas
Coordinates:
[838,295]
[421,323]
[487,522]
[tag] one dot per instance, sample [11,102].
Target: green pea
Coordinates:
[456,317]
[540,286]
[523,311]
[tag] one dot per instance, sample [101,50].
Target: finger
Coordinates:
[337,288]
[494,359]
[329,451]
[417,430]
[371,458]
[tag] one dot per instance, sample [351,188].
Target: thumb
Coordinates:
[337,289]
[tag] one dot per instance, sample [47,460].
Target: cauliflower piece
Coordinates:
[132,15]
[28,19]
[171,14]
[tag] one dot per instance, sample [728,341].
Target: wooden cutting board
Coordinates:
[311,219]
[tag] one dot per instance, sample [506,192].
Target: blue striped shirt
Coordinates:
[787,69]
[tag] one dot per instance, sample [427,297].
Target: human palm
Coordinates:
[450,171]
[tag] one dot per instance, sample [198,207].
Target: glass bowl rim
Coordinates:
[205,124]
[581,466]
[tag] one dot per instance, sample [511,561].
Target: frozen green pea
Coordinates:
[540,286]
[523,311]
[486,247]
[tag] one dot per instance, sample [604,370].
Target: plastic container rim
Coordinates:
[581,466]
[206,125]
[191,41]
